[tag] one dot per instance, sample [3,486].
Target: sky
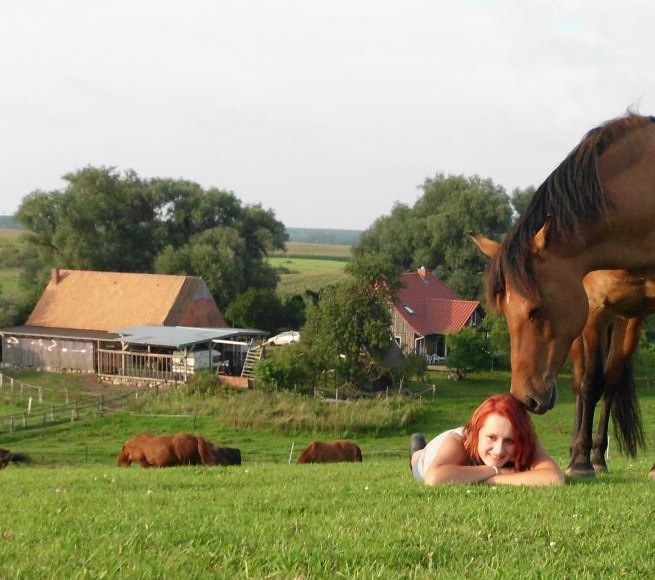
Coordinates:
[328,113]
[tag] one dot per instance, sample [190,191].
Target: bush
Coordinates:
[285,367]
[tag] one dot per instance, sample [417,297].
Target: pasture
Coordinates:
[73,513]
[309,266]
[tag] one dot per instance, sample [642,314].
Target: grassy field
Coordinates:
[73,514]
[309,266]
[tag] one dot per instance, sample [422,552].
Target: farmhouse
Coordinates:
[124,325]
[425,311]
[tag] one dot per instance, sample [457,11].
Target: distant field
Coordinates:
[9,281]
[10,232]
[315,250]
[309,266]
[301,274]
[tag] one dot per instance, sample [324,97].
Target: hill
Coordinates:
[324,236]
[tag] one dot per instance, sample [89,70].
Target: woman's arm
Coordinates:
[451,465]
[544,471]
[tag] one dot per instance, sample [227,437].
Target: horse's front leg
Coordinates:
[584,357]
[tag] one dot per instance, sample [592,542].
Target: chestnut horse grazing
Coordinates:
[330,452]
[150,450]
[7,457]
[594,212]
[602,367]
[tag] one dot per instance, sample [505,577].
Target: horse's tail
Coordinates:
[358,453]
[124,459]
[626,413]
[206,451]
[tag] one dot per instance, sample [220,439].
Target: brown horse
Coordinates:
[602,367]
[7,457]
[330,452]
[150,450]
[594,212]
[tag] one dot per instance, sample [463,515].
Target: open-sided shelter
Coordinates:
[75,326]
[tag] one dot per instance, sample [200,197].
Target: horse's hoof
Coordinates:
[599,468]
[651,474]
[580,471]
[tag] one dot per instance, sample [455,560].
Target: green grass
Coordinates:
[303,249]
[9,281]
[300,274]
[309,266]
[73,514]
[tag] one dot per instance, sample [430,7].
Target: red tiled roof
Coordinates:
[430,307]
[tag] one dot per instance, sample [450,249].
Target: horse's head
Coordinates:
[543,321]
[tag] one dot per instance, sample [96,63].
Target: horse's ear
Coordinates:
[487,246]
[540,239]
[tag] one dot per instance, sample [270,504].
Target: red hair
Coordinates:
[525,438]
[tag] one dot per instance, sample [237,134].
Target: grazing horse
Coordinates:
[602,367]
[7,457]
[227,456]
[330,452]
[150,450]
[594,212]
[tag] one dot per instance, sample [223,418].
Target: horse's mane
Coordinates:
[571,195]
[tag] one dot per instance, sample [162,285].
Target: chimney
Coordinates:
[421,272]
[55,277]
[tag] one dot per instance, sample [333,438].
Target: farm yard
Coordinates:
[73,513]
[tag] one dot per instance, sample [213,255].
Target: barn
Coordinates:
[125,324]
[426,311]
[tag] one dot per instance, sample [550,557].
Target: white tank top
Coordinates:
[429,452]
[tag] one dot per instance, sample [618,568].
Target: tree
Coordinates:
[521,199]
[107,220]
[434,232]
[468,350]
[349,325]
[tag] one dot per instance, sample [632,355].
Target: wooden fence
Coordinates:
[56,414]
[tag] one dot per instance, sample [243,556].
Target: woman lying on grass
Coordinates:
[498,446]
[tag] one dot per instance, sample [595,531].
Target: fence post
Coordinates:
[52,414]
[66,391]
[29,405]
[11,424]
[24,420]
[40,394]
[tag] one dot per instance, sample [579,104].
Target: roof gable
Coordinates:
[85,299]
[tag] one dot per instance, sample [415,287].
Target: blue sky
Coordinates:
[326,112]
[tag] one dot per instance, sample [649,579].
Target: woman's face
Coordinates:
[496,441]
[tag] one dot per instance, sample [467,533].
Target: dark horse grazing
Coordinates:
[330,452]
[594,212]
[227,456]
[169,450]
[602,367]
[7,457]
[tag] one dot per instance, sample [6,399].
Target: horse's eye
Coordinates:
[534,313]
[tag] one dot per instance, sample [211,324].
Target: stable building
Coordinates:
[150,327]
